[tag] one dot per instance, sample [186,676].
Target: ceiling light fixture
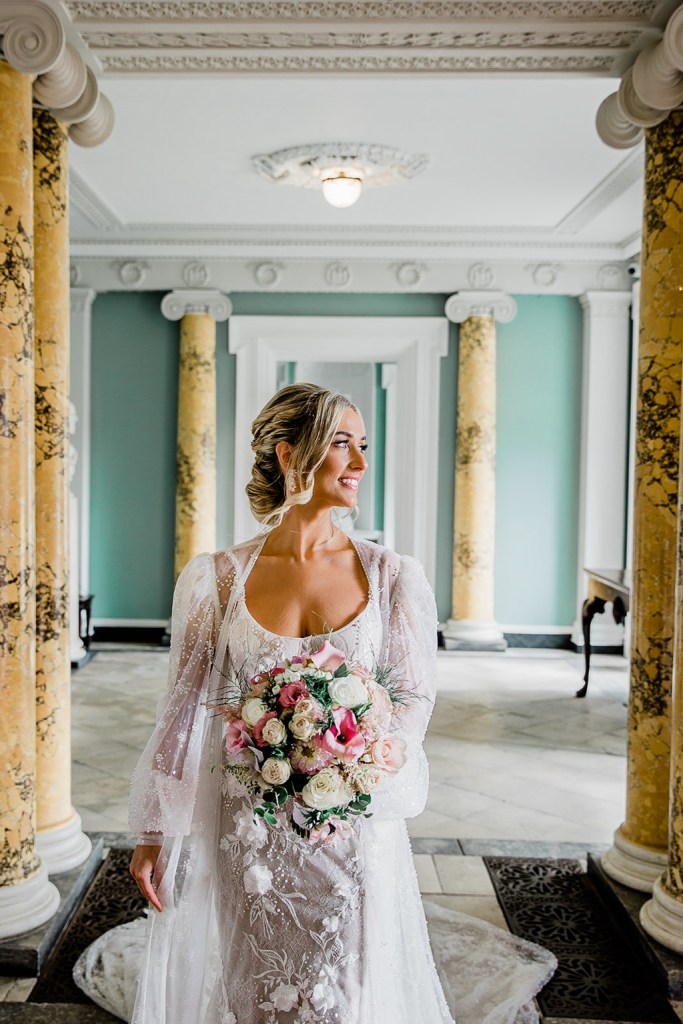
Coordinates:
[341,188]
[342,170]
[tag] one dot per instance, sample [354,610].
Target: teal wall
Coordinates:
[538,461]
[134,396]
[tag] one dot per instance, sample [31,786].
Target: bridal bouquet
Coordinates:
[314,730]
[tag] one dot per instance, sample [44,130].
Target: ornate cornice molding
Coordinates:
[353,10]
[463,305]
[521,61]
[178,303]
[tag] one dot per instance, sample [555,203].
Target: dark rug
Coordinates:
[112,899]
[601,975]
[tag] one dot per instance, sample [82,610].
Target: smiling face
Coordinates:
[340,473]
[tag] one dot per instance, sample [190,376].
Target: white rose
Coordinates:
[276,771]
[349,691]
[273,732]
[322,997]
[285,997]
[258,879]
[253,709]
[250,829]
[325,790]
[301,727]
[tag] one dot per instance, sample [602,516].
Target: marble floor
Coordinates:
[518,764]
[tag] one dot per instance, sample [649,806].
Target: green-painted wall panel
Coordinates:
[539,372]
[134,399]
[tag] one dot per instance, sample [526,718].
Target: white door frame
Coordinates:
[415,344]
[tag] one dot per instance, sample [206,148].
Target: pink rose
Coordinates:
[389,753]
[236,737]
[328,657]
[291,693]
[344,739]
[258,728]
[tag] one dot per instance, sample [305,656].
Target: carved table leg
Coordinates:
[589,610]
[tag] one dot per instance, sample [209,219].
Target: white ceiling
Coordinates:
[508,153]
[517,174]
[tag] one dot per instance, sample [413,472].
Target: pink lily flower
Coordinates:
[328,657]
[236,737]
[344,739]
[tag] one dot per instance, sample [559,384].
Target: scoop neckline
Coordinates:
[309,636]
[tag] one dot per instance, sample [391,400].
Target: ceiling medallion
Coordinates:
[340,169]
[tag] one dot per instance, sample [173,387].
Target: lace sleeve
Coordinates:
[165,780]
[410,652]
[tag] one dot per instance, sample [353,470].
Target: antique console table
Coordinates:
[603,585]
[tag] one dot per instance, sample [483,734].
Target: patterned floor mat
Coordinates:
[601,976]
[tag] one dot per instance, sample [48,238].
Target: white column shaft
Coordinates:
[81,319]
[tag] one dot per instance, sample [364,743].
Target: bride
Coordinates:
[252,923]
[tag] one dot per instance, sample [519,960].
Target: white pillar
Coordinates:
[81,306]
[604,449]
[389,380]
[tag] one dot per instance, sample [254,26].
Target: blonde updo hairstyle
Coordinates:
[307,417]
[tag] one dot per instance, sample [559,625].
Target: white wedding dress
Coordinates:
[258,925]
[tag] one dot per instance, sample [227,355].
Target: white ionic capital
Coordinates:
[65,83]
[614,127]
[33,37]
[463,305]
[178,303]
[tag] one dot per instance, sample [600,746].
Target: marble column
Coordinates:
[604,448]
[27,898]
[198,312]
[472,624]
[662,916]
[638,854]
[61,842]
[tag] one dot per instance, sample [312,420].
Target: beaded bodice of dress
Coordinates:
[252,647]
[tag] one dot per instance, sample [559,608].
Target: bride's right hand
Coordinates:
[143,869]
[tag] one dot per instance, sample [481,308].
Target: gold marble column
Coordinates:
[662,916]
[61,842]
[196,446]
[638,854]
[472,624]
[27,899]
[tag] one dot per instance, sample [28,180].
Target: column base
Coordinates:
[632,865]
[27,904]
[468,635]
[65,847]
[662,918]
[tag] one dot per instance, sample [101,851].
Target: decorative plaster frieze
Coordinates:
[544,274]
[354,10]
[463,305]
[196,275]
[230,63]
[480,275]
[177,304]
[337,275]
[267,275]
[609,275]
[367,273]
[409,275]
[131,272]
